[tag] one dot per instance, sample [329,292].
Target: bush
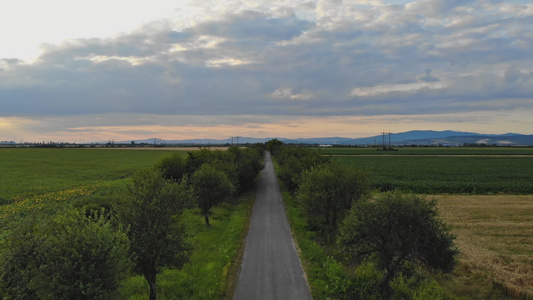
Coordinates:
[69,257]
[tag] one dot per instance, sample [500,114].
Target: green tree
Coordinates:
[248,163]
[398,231]
[327,192]
[273,146]
[211,186]
[294,161]
[173,167]
[150,212]
[68,257]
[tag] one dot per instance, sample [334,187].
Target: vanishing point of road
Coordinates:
[271,267]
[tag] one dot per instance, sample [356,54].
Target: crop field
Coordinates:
[495,235]
[30,172]
[430,151]
[455,174]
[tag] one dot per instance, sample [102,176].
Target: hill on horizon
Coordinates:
[413,137]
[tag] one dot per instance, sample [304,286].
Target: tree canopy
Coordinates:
[327,192]
[67,257]
[398,230]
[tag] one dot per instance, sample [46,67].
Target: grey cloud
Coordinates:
[234,64]
[252,25]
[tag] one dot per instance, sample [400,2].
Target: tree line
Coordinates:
[386,243]
[85,251]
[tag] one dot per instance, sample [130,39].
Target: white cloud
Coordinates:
[288,93]
[394,88]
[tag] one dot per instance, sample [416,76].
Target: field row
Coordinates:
[447,174]
[430,151]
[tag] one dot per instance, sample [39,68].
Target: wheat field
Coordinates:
[495,235]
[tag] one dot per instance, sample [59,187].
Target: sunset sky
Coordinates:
[82,71]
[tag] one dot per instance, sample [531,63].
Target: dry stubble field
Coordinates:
[495,235]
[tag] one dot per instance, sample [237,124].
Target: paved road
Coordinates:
[271,268]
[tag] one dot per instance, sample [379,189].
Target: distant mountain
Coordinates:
[415,137]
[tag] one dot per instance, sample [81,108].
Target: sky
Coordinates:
[83,71]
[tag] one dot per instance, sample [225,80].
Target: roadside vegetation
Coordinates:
[347,267]
[77,225]
[355,246]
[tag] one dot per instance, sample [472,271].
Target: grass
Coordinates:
[45,179]
[447,174]
[494,234]
[31,172]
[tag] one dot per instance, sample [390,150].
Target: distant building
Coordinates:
[324,146]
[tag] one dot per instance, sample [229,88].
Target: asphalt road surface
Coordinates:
[271,267]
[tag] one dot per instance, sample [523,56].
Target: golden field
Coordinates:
[495,236]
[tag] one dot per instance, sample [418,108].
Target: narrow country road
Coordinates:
[271,268]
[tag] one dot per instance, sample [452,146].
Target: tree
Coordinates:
[273,146]
[68,257]
[173,167]
[150,211]
[210,186]
[248,163]
[327,192]
[294,161]
[398,230]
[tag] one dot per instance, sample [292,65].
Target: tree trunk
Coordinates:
[151,283]
[386,291]
[206,216]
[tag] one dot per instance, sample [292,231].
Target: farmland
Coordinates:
[495,236]
[482,171]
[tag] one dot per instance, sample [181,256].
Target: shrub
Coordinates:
[68,257]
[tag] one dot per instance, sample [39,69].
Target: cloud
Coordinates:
[305,58]
[288,93]
[395,88]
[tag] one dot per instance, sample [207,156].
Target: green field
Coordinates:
[30,172]
[433,174]
[429,151]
